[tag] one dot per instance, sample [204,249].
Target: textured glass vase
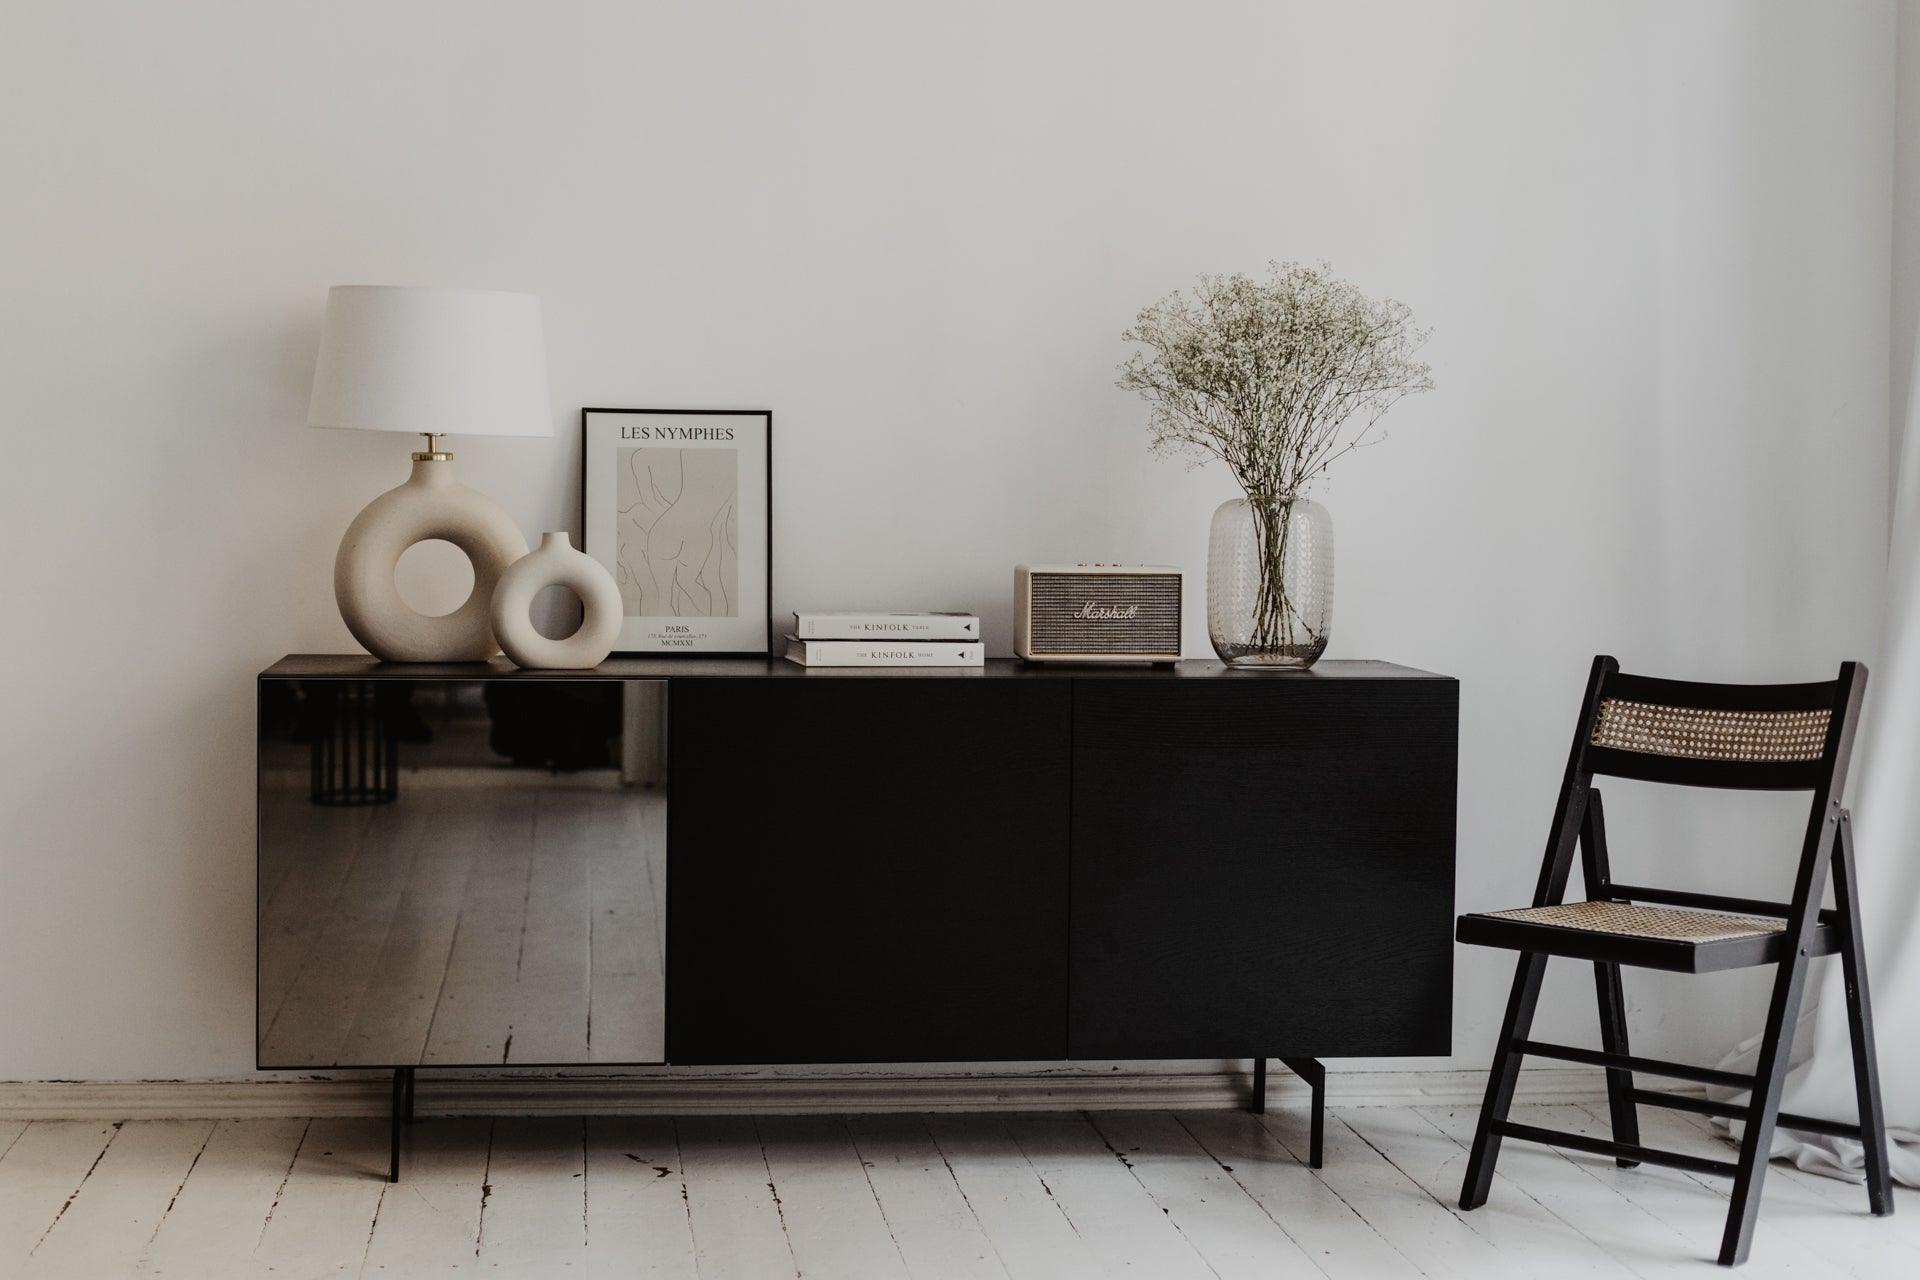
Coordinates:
[1270,582]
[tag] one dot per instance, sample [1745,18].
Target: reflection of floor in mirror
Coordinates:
[1151,1193]
[464,926]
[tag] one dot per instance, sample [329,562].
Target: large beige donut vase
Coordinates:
[557,564]
[429,505]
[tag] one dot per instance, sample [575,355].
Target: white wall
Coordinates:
[1652,240]
[1906,221]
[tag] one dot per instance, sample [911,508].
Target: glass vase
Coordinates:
[1270,582]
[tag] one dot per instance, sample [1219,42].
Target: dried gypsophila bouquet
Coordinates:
[1276,378]
[1266,376]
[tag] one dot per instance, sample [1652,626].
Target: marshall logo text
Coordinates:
[1095,611]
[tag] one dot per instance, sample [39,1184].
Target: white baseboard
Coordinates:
[660,1094]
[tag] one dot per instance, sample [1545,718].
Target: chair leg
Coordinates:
[1501,1079]
[1770,1082]
[1866,1066]
[1613,1039]
[1258,1102]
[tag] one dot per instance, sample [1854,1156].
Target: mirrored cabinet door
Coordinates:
[461,873]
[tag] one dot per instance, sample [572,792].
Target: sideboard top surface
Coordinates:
[360,666]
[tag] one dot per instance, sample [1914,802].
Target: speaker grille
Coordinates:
[1059,598]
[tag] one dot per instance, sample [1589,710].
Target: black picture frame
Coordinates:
[588,542]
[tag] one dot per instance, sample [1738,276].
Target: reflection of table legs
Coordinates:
[1310,1070]
[355,751]
[402,1114]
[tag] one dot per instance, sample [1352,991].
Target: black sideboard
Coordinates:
[742,861]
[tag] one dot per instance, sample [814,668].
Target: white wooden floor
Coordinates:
[1157,1194]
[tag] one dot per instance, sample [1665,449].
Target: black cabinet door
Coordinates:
[1262,866]
[867,870]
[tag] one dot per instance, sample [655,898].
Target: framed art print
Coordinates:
[677,503]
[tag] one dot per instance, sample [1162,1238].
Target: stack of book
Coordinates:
[886,640]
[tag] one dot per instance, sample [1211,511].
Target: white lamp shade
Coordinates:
[450,361]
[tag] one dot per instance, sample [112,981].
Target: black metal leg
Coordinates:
[1311,1070]
[1866,1066]
[1258,1105]
[398,1117]
[394,1121]
[1501,1079]
[1613,1039]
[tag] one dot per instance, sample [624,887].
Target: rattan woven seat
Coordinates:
[1654,937]
[1633,920]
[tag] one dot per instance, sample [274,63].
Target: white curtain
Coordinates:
[1886,820]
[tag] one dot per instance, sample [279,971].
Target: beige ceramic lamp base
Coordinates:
[431,504]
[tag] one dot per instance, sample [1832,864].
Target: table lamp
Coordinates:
[433,362]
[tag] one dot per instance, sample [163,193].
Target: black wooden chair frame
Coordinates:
[1579,822]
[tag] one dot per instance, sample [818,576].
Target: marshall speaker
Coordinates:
[1096,613]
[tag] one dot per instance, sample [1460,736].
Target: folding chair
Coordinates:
[1792,737]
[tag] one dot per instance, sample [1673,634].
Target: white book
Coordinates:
[885,653]
[886,626]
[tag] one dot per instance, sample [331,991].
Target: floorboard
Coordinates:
[323,1214]
[1106,1204]
[430,1219]
[637,1223]
[1328,1229]
[1030,1233]
[1518,1226]
[215,1222]
[534,1205]
[1696,1207]
[1219,1195]
[834,1222]
[732,1206]
[933,1224]
[1426,1231]
[1227,1227]
[105,1228]
[1643,1242]
[1787,1209]
[40,1174]
[1842,1196]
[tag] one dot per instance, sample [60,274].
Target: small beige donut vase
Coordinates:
[431,504]
[556,564]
